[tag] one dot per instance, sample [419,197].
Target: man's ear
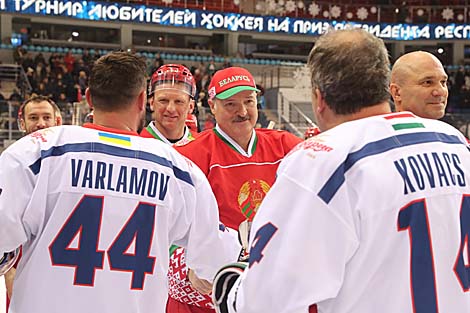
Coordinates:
[395,91]
[142,100]
[212,105]
[88,98]
[58,120]
[320,101]
[191,106]
[151,103]
[21,125]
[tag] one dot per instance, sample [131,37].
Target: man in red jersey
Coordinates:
[240,163]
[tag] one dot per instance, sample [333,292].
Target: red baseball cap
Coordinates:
[229,81]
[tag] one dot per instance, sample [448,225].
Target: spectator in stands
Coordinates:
[82,81]
[240,163]
[27,61]
[419,85]
[39,58]
[172,90]
[62,102]
[226,63]
[38,112]
[40,72]
[31,78]
[69,61]
[158,60]
[58,87]
[202,87]
[15,96]
[261,99]
[211,67]
[86,57]
[80,66]
[18,55]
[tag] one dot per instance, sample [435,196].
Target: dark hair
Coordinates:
[116,79]
[37,99]
[351,69]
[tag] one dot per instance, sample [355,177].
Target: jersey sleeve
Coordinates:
[299,245]
[207,247]
[16,187]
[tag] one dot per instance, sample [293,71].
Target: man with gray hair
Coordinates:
[354,222]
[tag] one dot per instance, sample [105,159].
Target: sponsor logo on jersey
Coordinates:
[116,139]
[250,196]
[314,144]
[40,135]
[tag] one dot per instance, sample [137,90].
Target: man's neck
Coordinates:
[114,120]
[378,109]
[171,135]
[242,142]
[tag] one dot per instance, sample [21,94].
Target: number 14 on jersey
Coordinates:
[414,218]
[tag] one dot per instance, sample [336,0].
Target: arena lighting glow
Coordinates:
[153,15]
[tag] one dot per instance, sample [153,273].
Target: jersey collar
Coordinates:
[153,130]
[235,146]
[110,130]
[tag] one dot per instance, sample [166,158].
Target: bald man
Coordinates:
[419,85]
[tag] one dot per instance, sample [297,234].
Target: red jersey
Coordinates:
[239,181]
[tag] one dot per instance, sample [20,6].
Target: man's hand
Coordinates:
[201,285]
[9,277]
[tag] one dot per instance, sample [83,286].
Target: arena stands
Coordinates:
[55,54]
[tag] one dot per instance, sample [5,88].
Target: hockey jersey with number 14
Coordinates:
[370,216]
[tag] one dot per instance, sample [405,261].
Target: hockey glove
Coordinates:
[223,283]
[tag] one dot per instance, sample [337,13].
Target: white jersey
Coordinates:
[371,216]
[96,212]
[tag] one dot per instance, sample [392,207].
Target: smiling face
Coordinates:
[171,106]
[236,115]
[419,85]
[38,115]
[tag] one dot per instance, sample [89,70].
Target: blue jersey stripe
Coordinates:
[335,181]
[96,147]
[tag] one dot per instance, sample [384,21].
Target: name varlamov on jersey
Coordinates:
[430,170]
[105,176]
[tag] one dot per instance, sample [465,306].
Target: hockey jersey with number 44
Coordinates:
[96,211]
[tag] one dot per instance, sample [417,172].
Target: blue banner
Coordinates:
[121,12]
